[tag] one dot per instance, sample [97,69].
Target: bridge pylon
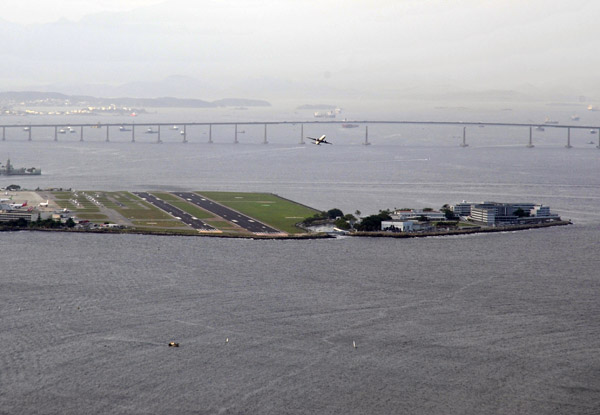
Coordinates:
[568,139]
[530,145]
[366,143]
[265,141]
[464,141]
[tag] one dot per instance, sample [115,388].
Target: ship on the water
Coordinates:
[9,170]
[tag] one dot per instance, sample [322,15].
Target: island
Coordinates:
[247,215]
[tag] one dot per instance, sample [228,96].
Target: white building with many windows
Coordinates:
[494,213]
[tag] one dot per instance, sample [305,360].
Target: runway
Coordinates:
[176,212]
[231,215]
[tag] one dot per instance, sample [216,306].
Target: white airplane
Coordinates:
[320,140]
[44,204]
[17,205]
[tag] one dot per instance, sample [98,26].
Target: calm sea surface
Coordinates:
[485,324]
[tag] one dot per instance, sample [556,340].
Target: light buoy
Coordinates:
[353,344]
[173,344]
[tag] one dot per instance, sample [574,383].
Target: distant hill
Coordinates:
[33,98]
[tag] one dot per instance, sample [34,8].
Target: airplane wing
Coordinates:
[319,140]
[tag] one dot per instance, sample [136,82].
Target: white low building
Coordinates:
[432,215]
[403,226]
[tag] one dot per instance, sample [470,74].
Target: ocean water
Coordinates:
[502,323]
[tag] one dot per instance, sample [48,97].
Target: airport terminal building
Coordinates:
[498,214]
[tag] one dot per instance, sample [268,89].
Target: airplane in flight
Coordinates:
[320,140]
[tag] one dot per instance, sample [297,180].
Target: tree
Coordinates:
[342,223]
[334,213]
[373,223]
[70,223]
[314,218]
[448,213]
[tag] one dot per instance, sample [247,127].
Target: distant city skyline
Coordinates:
[274,48]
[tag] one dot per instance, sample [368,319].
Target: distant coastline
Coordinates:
[11,99]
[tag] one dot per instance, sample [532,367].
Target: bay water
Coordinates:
[496,323]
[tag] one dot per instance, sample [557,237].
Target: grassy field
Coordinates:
[132,207]
[158,224]
[270,209]
[266,207]
[77,202]
[94,217]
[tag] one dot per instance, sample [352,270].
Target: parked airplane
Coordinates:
[44,204]
[17,205]
[320,140]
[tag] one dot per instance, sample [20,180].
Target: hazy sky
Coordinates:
[40,11]
[375,46]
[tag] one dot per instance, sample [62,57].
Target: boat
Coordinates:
[348,125]
[592,131]
[592,108]
[549,121]
[539,128]
[62,131]
[26,128]
[150,131]
[174,127]
[9,170]
[575,117]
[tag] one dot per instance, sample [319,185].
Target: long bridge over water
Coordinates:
[155,128]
